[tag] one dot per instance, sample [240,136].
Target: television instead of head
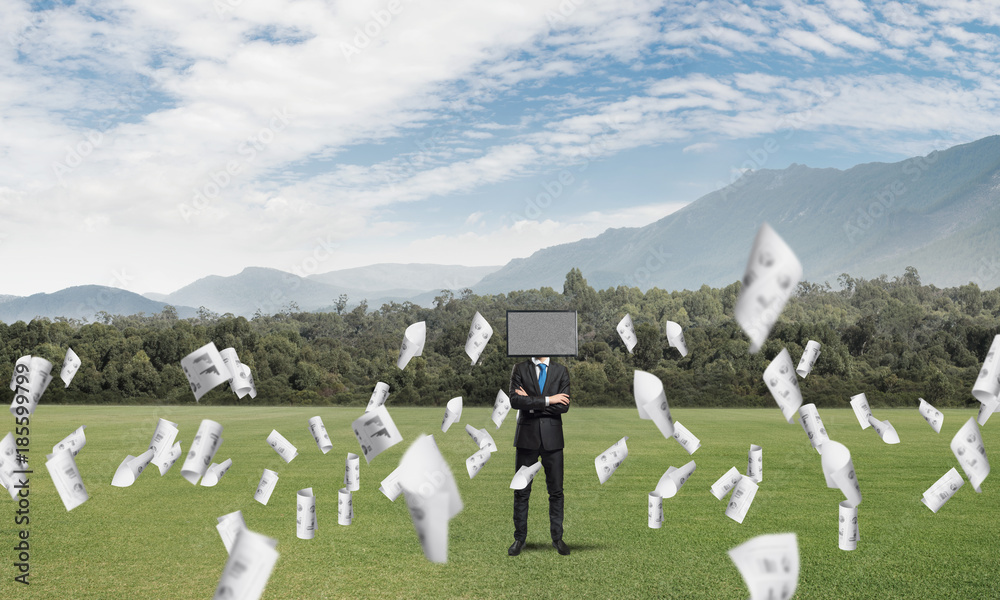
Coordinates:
[541,333]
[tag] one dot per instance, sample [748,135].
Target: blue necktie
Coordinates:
[541,378]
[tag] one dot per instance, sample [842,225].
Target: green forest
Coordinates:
[894,339]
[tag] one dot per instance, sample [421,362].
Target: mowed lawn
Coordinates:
[157,539]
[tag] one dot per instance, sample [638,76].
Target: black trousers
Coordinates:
[552,462]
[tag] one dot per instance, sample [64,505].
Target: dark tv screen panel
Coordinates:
[541,333]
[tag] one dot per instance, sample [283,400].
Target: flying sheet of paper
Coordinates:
[838,468]
[162,444]
[318,431]
[71,364]
[413,343]
[848,534]
[215,472]
[204,369]
[240,377]
[250,563]
[942,490]
[452,413]
[345,507]
[268,480]
[755,463]
[784,385]
[73,442]
[885,430]
[229,526]
[480,332]
[375,432]
[31,378]
[742,498]
[169,458]
[685,438]
[608,461]
[986,409]
[769,565]
[501,406]
[651,401]
[379,395]
[813,426]
[967,445]
[675,337]
[131,468]
[861,410]
[524,476]
[670,482]
[481,438]
[987,386]
[305,514]
[725,483]
[282,446]
[352,472]
[206,443]
[808,358]
[390,485]
[475,462]
[41,377]
[66,477]
[22,368]
[431,495]
[627,332]
[12,461]
[655,503]
[769,280]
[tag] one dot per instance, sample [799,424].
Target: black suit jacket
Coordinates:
[541,428]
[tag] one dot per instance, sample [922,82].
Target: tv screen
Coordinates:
[541,333]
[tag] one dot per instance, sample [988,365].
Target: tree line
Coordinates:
[895,339]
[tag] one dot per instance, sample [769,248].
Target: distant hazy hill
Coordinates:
[416,278]
[82,302]
[271,290]
[254,288]
[7,297]
[939,213]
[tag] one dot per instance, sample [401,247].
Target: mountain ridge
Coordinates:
[868,220]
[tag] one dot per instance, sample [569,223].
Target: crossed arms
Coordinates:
[558,404]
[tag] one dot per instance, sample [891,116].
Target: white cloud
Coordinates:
[474,218]
[152,136]
[700,147]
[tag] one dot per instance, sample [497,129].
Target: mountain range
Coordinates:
[253,289]
[938,213]
[82,302]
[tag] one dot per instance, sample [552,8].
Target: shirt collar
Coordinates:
[537,362]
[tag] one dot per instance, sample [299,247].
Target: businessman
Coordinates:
[539,389]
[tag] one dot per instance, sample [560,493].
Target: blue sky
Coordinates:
[146,145]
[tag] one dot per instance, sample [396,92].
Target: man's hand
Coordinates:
[520,392]
[559,399]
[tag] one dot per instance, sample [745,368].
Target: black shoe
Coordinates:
[561,547]
[515,548]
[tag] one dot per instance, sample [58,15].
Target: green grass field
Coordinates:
[157,539]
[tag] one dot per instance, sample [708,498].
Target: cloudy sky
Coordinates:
[147,144]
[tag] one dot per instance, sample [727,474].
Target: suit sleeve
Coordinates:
[556,409]
[524,402]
